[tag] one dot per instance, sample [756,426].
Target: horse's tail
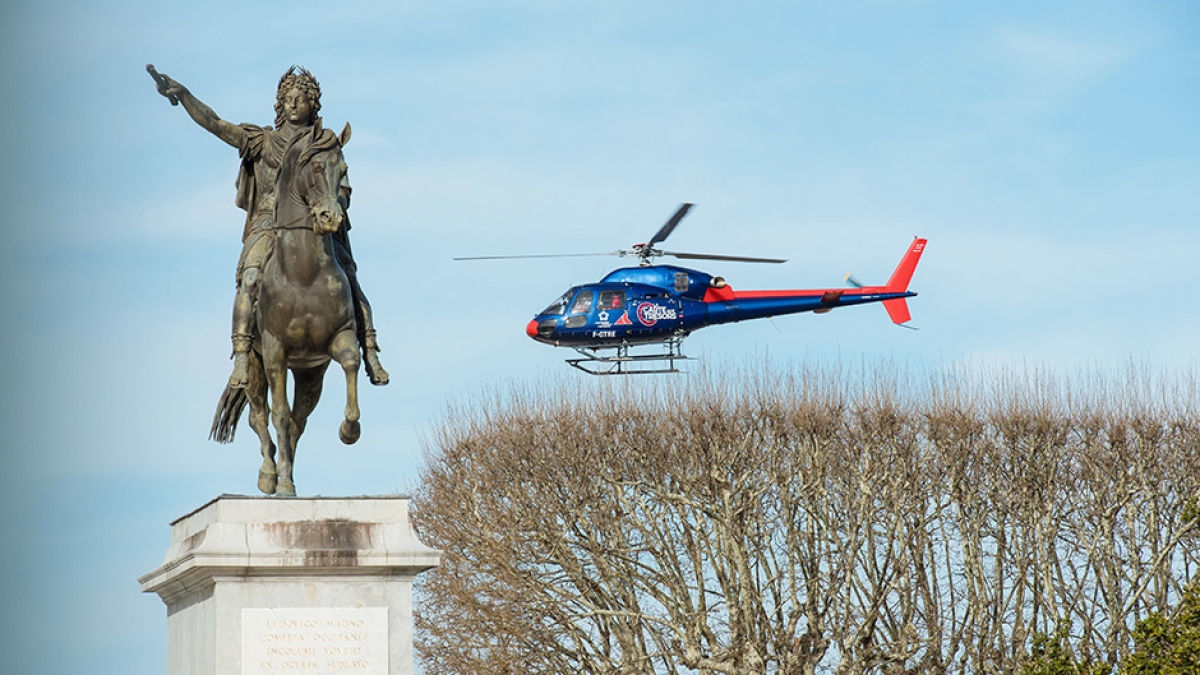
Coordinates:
[229,410]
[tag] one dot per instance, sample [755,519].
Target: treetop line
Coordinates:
[796,524]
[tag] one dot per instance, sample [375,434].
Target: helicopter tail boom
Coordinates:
[726,305]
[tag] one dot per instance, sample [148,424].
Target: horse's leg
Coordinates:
[275,364]
[308,391]
[344,349]
[256,392]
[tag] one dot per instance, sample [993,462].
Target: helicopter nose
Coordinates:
[531,328]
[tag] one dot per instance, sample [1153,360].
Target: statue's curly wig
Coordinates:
[297,77]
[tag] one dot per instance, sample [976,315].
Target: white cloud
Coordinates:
[1047,69]
[204,214]
[1051,55]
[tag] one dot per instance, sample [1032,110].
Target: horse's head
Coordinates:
[317,170]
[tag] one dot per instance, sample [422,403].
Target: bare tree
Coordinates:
[810,520]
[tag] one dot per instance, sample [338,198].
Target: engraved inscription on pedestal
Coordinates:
[315,640]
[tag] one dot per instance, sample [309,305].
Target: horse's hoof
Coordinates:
[267,482]
[286,489]
[349,431]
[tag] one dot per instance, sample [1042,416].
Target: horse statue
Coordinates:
[304,314]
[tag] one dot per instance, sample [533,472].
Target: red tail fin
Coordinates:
[897,308]
[904,271]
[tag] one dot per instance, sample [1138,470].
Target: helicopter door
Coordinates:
[610,309]
[579,309]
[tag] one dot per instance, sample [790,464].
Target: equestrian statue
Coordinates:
[298,303]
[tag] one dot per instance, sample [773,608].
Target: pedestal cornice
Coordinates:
[235,536]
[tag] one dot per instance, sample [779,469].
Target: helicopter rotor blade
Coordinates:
[665,230]
[542,255]
[644,252]
[729,258]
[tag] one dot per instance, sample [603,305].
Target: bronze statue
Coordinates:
[304,312]
[297,102]
[298,304]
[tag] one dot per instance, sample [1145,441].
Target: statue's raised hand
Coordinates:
[165,85]
[202,114]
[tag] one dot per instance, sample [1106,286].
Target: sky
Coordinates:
[1050,152]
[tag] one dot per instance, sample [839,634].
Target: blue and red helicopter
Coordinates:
[660,305]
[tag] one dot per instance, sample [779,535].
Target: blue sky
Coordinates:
[1049,151]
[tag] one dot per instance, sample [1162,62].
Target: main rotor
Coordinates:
[645,252]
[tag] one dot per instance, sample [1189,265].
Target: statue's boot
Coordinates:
[240,379]
[243,315]
[375,370]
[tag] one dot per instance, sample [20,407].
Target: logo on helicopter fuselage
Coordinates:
[649,313]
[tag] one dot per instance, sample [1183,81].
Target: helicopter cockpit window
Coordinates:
[559,306]
[612,300]
[583,302]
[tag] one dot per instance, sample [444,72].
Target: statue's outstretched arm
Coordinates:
[201,113]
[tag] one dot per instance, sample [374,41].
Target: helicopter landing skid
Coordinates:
[624,363]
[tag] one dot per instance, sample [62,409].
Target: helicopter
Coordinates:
[656,306]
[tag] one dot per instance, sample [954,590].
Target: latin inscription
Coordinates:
[315,641]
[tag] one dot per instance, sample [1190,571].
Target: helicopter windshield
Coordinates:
[559,306]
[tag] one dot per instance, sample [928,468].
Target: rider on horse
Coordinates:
[297,102]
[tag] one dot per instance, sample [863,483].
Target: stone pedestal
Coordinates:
[263,586]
